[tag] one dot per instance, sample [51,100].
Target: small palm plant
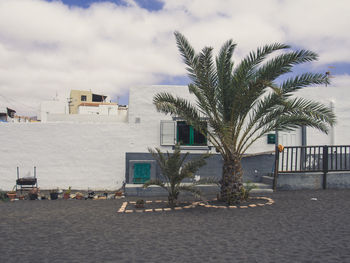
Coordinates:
[174,170]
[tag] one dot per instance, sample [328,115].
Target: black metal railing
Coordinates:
[313,158]
[304,159]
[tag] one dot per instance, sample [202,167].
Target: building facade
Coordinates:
[79,97]
[83,106]
[6,114]
[99,155]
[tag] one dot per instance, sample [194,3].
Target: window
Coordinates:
[173,132]
[83,98]
[167,133]
[187,135]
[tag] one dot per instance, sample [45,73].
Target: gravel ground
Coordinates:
[294,229]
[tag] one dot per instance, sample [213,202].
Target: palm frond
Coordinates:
[188,54]
[246,87]
[184,156]
[315,110]
[268,105]
[160,159]
[224,67]
[288,115]
[167,103]
[207,78]
[307,79]
[248,66]
[179,107]
[286,123]
[284,63]
[191,167]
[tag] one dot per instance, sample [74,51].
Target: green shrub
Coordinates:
[174,170]
[3,196]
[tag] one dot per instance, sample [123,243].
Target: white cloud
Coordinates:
[47,47]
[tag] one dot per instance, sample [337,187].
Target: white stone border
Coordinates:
[123,209]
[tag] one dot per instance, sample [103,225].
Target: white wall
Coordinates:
[57,111]
[108,109]
[88,110]
[340,133]
[77,155]
[100,109]
[52,107]
[90,118]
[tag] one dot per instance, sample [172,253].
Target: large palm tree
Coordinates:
[243,102]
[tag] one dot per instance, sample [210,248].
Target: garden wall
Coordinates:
[300,181]
[254,167]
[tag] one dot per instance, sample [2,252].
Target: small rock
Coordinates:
[314,199]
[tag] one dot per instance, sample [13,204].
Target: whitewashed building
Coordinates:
[88,154]
[98,112]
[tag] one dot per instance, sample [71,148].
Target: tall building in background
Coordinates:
[84,98]
[83,106]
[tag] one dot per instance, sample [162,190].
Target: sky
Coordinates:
[49,47]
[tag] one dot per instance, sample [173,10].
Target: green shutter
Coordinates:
[142,173]
[191,135]
[271,138]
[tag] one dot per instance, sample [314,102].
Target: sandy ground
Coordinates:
[294,229]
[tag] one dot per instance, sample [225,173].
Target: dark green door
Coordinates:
[142,172]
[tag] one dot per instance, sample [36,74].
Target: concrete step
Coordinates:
[261,186]
[262,191]
[267,180]
[209,189]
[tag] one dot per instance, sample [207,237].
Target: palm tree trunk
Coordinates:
[172,198]
[171,201]
[231,183]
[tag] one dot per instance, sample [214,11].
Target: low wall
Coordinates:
[254,167]
[300,181]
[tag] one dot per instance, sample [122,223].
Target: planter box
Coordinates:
[53,196]
[12,195]
[32,196]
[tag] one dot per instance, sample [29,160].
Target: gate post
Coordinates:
[325,166]
[277,156]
